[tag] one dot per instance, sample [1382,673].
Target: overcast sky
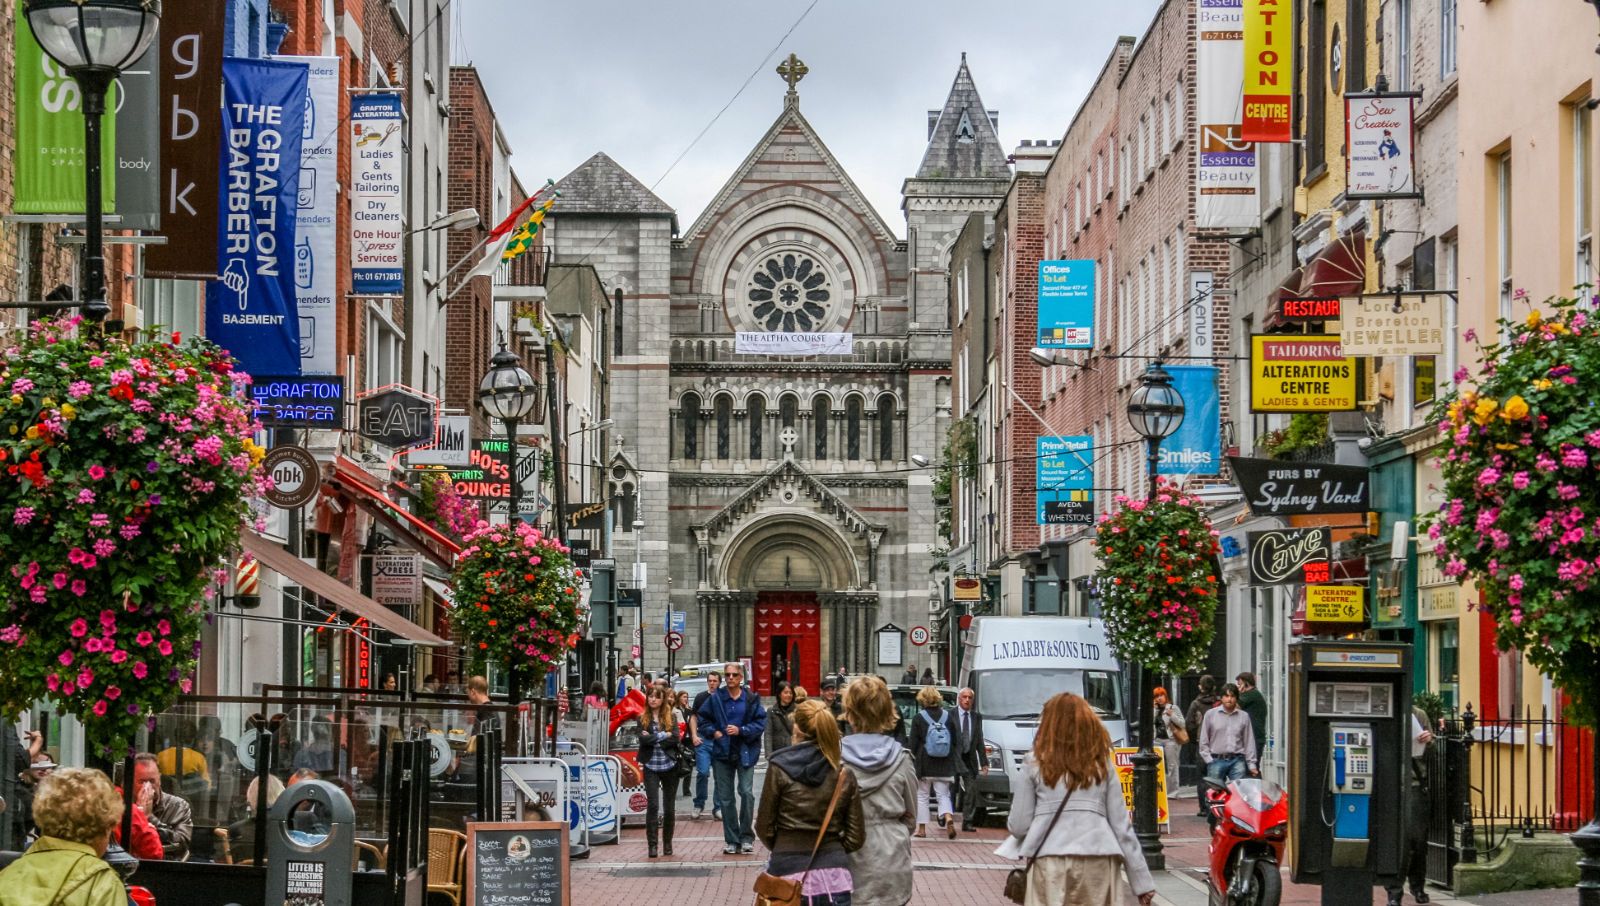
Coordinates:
[639,80]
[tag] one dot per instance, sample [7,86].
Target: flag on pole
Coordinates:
[522,239]
[500,238]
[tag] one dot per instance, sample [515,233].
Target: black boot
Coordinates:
[666,838]
[650,837]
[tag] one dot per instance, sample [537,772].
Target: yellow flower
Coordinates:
[1516,408]
[13,429]
[16,399]
[68,411]
[1542,384]
[1506,447]
[1484,411]
[1556,327]
[1533,319]
[32,432]
[48,402]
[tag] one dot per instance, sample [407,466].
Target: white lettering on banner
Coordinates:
[1086,651]
[1226,173]
[253,202]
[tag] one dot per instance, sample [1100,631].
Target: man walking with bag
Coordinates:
[736,722]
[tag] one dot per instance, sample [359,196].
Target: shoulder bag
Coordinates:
[683,753]
[1178,731]
[772,890]
[1016,889]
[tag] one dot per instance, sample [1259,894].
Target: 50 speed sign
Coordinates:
[919,635]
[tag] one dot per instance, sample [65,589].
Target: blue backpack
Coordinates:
[937,742]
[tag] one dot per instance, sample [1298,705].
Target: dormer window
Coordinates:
[964,131]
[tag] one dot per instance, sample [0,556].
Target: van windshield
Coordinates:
[1020,694]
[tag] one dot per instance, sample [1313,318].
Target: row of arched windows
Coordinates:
[852,432]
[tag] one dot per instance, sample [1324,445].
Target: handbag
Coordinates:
[1016,889]
[1178,732]
[772,890]
[683,757]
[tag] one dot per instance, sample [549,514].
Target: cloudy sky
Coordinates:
[639,80]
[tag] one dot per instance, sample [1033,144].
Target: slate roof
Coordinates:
[949,156]
[601,186]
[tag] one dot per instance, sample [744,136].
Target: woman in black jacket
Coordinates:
[935,769]
[659,738]
[780,720]
[801,781]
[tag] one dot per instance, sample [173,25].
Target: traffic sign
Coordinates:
[677,621]
[674,641]
[919,635]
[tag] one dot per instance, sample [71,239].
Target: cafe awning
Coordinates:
[1340,269]
[352,480]
[443,590]
[274,557]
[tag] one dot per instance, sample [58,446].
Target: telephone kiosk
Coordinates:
[1350,718]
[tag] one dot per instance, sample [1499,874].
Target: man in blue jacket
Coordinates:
[736,722]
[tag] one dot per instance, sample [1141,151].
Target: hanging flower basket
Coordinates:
[125,473]
[516,596]
[1521,469]
[1158,581]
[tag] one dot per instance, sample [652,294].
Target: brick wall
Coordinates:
[469,338]
[1016,263]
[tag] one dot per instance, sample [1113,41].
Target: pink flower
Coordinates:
[144,639]
[80,587]
[85,496]
[97,472]
[1573,457]
[79,628]
[99,708]
[1519,480]
[186,685]
[118,656]
[64,658]
[165,648]
[59,580]
[113,692]
[140,670]
[52,682]
[108,618]
[22,516]
[99,520]
[164,627]
[85,678]
[103,547]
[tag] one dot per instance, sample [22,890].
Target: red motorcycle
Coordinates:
[1249,826]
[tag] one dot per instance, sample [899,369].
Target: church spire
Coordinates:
[963,138]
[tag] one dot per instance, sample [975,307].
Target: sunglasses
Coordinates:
[733,675]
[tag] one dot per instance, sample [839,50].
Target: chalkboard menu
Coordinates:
[518,863]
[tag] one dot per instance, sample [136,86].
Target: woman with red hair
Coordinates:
[1068,817]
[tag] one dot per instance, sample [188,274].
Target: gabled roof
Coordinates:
[789,472]
[601,186]
[963,143]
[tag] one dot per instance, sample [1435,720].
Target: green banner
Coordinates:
[49,163]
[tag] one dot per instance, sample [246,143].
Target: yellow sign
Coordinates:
[1124,756]
[1300,373]
[1335,603]
[966,589]
[1370,325]
[1268,51]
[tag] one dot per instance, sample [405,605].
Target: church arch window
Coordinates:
[624,505]
[886,428]
[821,410]
[689,424]
[756,413]
[724,416]
[788,410]
[852,428]
[790,292]
[616,323]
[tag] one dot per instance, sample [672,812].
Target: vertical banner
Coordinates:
[138,115]
[377,205]
[316,277]
[1202,308]
[1268,55]
[1196,447]
[190,44]
[1379,131]
[1066,304]
[1226,176]
[250,310]
[49,176]
[1064,480]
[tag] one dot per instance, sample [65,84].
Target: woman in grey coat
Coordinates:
[780,720]
[887,781]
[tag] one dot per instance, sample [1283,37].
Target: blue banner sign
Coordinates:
[299,402]
[251,310]
[1066,304]
[1064,482]
[1196,447]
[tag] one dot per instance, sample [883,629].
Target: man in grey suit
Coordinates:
[969,727]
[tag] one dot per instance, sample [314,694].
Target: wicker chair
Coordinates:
[445,851]
[370,854]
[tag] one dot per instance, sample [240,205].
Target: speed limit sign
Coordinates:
[919,635]
[674,641]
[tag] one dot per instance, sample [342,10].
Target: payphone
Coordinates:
[1349,712]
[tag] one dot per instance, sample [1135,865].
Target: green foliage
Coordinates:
[1306,431]
[960,459]
[1431,705]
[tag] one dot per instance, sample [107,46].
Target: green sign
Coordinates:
[49,165]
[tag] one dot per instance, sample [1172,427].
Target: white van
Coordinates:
[1015,665]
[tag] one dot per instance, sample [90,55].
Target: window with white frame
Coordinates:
[1179,102]
[1180,282]
[172,305]
[1503,232]
[961,292]
[384,339]
[1447,37]
[1402,44]
[1582,194]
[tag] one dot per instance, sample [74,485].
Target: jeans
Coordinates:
[1227,769]
[827,899]
[660,791]
[702,772]
[737,826]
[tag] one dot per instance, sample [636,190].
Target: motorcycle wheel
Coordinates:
[1268,884]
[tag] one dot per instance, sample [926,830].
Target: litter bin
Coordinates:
[311,836]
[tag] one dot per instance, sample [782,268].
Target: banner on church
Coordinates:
[377,175]
[316,229]
[1226,176]
[1064,480]
[1268,53]
[749,342]
[250,310]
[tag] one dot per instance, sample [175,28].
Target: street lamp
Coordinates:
[93,41]
[508,393]
[1155,410]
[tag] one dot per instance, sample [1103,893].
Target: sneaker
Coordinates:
[716,814]
[730,850]
[748,848]
[699,812]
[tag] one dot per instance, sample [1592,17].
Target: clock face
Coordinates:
[789,292]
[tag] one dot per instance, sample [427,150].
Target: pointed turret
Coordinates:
[963,138]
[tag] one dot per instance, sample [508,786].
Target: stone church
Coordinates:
[777,500]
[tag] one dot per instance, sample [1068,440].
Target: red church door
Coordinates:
[788,640]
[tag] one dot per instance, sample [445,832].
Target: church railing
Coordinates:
[719,348]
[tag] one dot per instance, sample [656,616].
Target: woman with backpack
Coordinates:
[659,738]
[933,745]
[810,815]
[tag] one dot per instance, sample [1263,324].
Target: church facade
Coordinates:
[772,495]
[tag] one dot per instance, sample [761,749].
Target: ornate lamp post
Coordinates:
[508,393]
[1155,410]
[93,41]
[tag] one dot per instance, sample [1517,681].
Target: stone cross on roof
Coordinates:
[792,70]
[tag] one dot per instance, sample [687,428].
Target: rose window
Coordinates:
[789,293]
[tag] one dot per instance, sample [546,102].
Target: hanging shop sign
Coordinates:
[752,342]
[1202,338]
[452,446]
[397,417]
[1275,488]
[1335,603]
[295,475]
[1196,447]
[191,44]
[298,402]
[1301,311]
[251,309]
[1064,482]
[138,116]
[1227,179]
[1268,54]
[1300,373]
[1066,304]
[1380,135]
[966,588]
[581,550]
[1393,324]
[316,276]
[396,579]
[1290,556]
[587,517]
[488,472]
[377,178]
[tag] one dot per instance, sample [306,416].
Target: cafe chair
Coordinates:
[222,849]
[445,851]
[369,854]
